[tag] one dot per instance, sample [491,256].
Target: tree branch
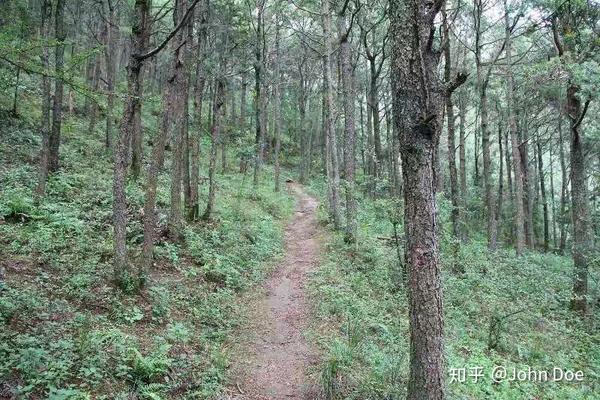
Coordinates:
[182,22]
[582,115]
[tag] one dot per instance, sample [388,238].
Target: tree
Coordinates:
[575,50]
[331,147]
[418,101]
[140,30]
[514,140]
[57,103]
[45,16]
[259,66]
[348,95]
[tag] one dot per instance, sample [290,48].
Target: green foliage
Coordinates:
[65,331]
[502,310]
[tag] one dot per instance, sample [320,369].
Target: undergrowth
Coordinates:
[65,331]
[502,311]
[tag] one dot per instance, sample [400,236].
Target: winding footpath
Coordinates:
[277,354]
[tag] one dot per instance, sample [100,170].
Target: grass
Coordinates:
[66,332]
[503,310]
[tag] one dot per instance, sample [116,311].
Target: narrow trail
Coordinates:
[277,355]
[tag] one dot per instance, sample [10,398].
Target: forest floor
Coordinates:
[274,355]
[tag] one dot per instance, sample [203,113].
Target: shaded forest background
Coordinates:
[144,151]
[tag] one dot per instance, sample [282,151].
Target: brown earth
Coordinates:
[274,356]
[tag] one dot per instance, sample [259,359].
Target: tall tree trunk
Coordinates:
[124,276]
[156,163]
[527,187]
[553,201]
[277,107]
[188,60]
[110,54]
[500,195]
[462,165]
[544,198]
[583,238]
[333,173]
[487,161]
[564,190]
[215,131]
[59,61]
[519,216]
[454,196]
[418,99]
[93,109]
[175,218]
[198,97]
[305,135]
[374,110]
[243,101]
[348,94]
[46,15]
[258,89]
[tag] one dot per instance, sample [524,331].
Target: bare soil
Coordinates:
[275,357]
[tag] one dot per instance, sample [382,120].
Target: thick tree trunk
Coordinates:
[46,15]
[277,108]
[258,89]
[583,238]
[93,108]
[198,95]
[124,276]
[500,195]
[544,198]
[564,190]
[418,99]
[243,101]
[175,218]
[305,136]
[333,173]
[348,94]
[487,162]
[518,204]
[553,201]
[527,188]
[111,65]
[59,61]
[462,164]
[374,110]
[215,131]
[188,60]
[454,195]
[157,161]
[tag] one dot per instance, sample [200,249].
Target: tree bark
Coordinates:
[215,131]
[454,195]
[157,161]
[46,15]
[198,95]
[333,174]
[258,88]
[175,220]
[348,95]
[124,276]
[59,60]
[564,191]
[462,165]
[418,99]
[277,107]
[544,198]
[110,54]
[519,217]
[583,238]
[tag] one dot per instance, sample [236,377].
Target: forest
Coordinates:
[300,199]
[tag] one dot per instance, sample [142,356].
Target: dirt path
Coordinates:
[277,353]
